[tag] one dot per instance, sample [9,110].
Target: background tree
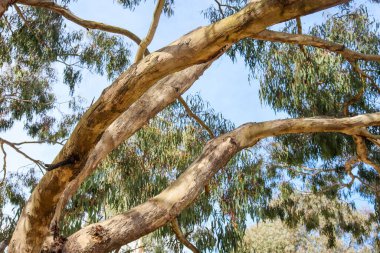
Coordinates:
[334,154]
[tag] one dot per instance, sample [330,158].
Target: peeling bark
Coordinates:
[163,208]
[196,47]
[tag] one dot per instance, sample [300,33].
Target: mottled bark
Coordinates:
[165,92]
[198,46]
[156,212]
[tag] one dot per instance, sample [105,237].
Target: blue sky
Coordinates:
[225,85]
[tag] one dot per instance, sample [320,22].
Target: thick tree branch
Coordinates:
[50,5]
[375,139]
[152,30]
[163,208]
[153,101]
[198,46]
[220,8]
[181,237]
[307,40]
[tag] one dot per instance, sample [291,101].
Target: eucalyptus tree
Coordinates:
[325,79]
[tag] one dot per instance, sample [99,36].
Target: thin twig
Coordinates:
[181,237]
[82,22]
[39,163]
[375,139]
[152,30]
[220,8]
[27,23]
[195,117]
[38,142]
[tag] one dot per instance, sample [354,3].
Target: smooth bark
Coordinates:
[165,92]
[198,46]
[163,208]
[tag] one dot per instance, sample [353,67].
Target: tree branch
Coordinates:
[307,40]
[198,46]
[39,163]
[167,205]
[181,237]
[157,98]
[50,5]
[152,30]
[195,117]
[4,4]
[362,152]
[363,75]
[299,32]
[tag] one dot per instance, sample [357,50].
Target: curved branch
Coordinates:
[362,152]
[308,40]
[50,5]
[364,75]
[39,163]
[195,117]
[163,208]
[152,30]
[181,237]
[196,47]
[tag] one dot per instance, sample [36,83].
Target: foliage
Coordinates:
[39,50]
[34,41]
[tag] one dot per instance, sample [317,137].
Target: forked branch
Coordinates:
[181,237]
[167,205]
[308,40]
